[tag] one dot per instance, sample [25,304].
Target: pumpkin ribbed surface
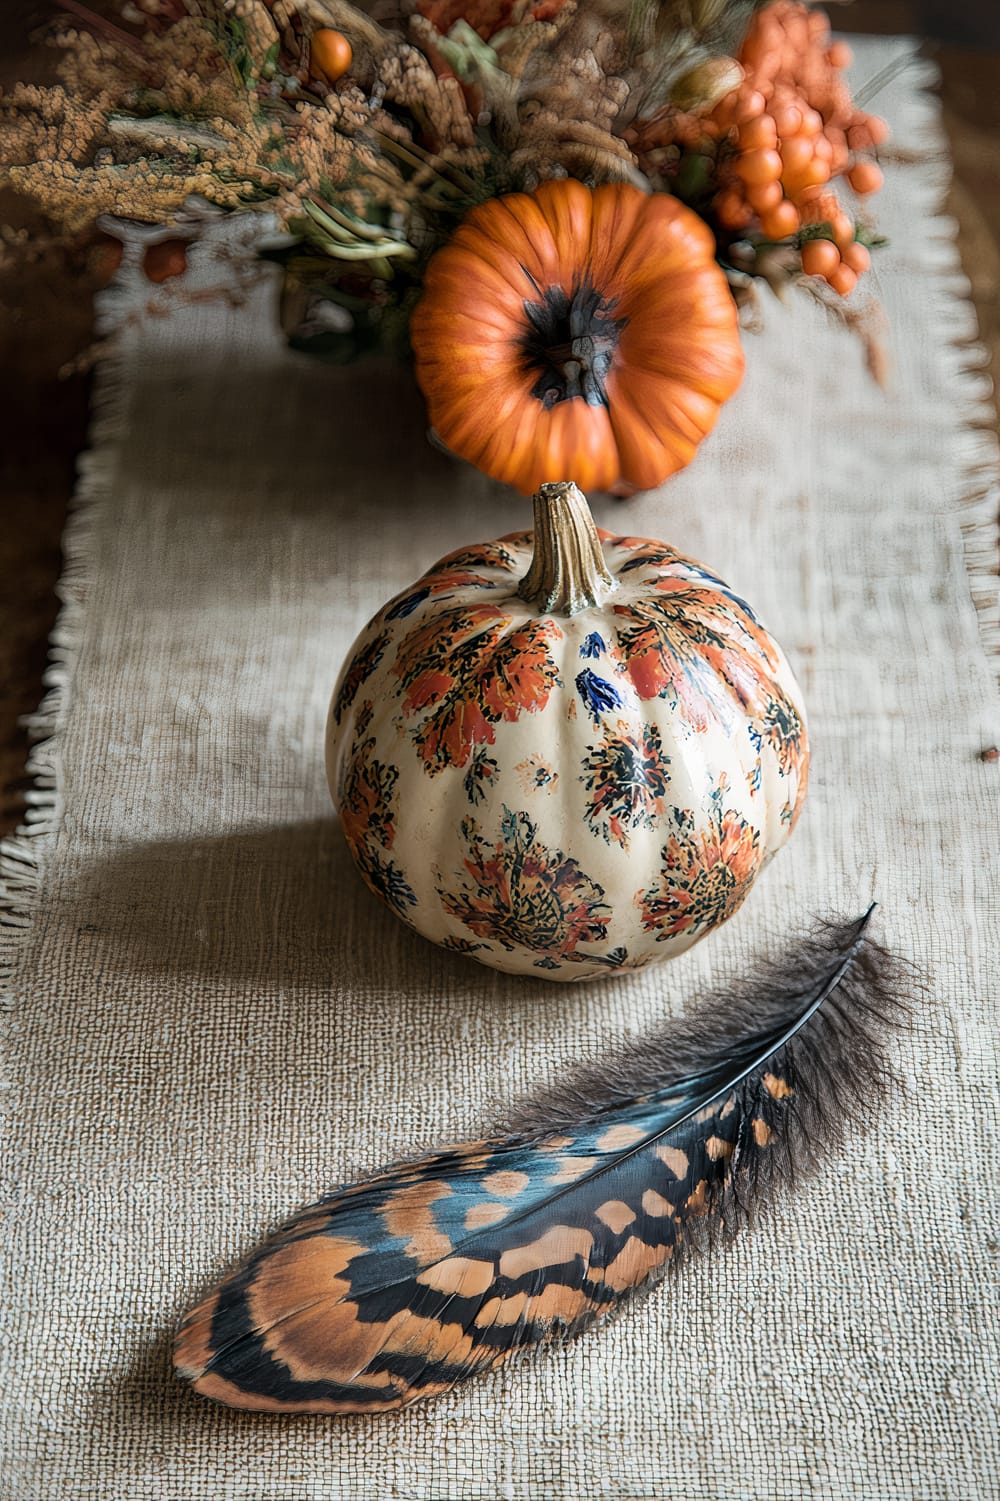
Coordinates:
[577,331]
[566,795]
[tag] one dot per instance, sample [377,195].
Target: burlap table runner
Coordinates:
[212,1021]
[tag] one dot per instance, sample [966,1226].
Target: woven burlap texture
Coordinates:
[212,1021]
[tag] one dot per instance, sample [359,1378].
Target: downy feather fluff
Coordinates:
[392,1290]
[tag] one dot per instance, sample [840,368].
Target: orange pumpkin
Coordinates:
[577,331]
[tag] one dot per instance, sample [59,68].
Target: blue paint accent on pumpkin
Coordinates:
[597,693]
[593,646]
[407,604]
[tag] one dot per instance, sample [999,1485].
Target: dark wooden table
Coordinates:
[45,322]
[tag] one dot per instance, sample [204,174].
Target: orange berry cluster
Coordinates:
[795,127]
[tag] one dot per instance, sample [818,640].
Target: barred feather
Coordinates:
[392,1290]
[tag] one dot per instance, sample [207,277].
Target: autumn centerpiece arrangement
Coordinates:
[566,753]
[556,205]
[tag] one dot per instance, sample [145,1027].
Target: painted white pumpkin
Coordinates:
[566,753]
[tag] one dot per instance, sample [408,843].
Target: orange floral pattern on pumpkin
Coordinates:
[700,646]
[367,806]
[706,873]
[359,669]
[467,671]
[691,643]
[523,895]
[784,731]
[459,570]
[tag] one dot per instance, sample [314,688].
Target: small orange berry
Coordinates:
[778,223]
[796,155]
[816,174]
[758,133]
[788,119]
[330,54]
[748,105]
[856,256]
[820,258]
[843,279]
[765,195]
[759,166]
[865,177]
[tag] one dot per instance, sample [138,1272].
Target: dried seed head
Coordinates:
[706,84]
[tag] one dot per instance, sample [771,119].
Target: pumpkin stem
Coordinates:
[568,572]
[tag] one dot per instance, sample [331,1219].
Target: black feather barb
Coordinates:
[390,1291]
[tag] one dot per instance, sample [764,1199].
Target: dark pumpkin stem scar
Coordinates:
[570,344]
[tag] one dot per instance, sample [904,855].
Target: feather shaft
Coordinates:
[392,1290]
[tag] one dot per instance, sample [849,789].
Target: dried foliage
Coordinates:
[445,103]
[220,100]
